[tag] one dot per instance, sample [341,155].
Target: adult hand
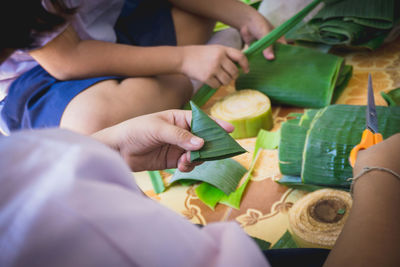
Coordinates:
[213,64]
[384,154]
[156,141]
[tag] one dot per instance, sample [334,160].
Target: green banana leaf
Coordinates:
[205,92]
[218,144]
[291,146]
[265,140]
[296,183]
[263,245]
[392,97]
[331,133]
[223,174]
[209,194]
[157,181]
[351,23]
[331,137]
[298,76]
[372,13]
[342,81]
[286,241]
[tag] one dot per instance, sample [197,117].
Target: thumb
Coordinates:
[180,137]
[269,53]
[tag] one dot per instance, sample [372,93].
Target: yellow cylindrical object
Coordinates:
[248,110]
[317,219]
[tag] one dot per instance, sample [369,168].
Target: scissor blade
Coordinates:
[372,120]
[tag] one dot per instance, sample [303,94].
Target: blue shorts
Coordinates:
[37,100]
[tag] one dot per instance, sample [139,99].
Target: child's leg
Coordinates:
[110,102]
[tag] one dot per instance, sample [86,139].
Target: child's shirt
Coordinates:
[94,20]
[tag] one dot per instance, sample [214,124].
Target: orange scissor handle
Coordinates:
[368,139]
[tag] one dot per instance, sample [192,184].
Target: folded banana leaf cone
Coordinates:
[298,76]
[350,23]
[317,146]
[218,144]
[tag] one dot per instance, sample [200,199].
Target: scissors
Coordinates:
[370,136]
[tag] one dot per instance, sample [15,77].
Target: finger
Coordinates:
[282,40]
[187,117]
[171,134]
[224,124]
[269,53]
[230,68]
[214,82]
[184,163]
[238,57]
[223,77]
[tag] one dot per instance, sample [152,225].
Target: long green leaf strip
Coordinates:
[157,181]
[280,31]
[218,144]
[209,194]
[223,174]
[206,92]
[317,148]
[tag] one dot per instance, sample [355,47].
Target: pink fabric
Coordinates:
[66,200]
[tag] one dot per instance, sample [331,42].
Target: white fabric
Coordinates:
[3,125]
[66,200]
[94,20]
[278,12]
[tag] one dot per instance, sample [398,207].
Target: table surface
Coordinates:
[265,204]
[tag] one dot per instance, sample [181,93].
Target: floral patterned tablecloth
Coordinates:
[265,204]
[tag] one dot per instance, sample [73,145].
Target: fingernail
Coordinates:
[196,141]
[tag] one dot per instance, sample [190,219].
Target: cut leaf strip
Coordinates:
[157,181]
[223,174]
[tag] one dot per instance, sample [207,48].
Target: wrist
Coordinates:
[376,181]
[108,137]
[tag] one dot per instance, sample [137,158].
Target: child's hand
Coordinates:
[255,29]
[213,64]
[156,141]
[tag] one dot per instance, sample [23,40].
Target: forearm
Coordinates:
[371,235]
[68,57]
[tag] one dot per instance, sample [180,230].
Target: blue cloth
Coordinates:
[38,100]
[299,257]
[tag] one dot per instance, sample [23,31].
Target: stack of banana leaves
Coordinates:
[299,76]
[315,146]
[350,23]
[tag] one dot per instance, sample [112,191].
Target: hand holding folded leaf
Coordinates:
[156,141]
